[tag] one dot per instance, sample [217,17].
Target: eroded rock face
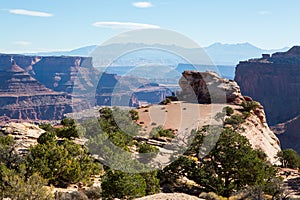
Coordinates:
[208,87]
[45,88]
[23,97]
[274,80]
[260,135]
[24,134]
[65,74]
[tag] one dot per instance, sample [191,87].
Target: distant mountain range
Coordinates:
[231,54]
[219,54]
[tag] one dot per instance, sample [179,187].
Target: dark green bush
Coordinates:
[117,184]
[166,101]
[289,158]
[61,164]
[160,132]
[235,121]
[228,110]
[249,105]
[15,185]
[46,137]
[93,193]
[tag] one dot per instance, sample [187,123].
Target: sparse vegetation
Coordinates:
[228,111]
[117,184]
[289,158]
[166,101]
[248,106]
[61,163]
[235,121]
[160,132]
[232,165]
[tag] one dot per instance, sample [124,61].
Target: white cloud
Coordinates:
[142,4]
[124,25]
[264,12]
[22,43]
[30,13]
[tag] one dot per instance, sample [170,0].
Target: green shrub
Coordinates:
[152,182]
[230,166]
[150,151]
[47,127]
[246,114]
[166,101]
[68,122]
[249,105]
[146,148]
[15,185]
[289,158]
[228,110]
[69,132]
[8,155]
[93,193]
[117,184]
[46,137]
[160,132]
[235,121]
[61,164]
[134,115]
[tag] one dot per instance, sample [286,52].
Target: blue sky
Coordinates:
[35,25]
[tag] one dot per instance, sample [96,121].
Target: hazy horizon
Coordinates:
[65,25]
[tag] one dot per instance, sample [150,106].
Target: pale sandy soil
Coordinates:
[178,115]
[169,196]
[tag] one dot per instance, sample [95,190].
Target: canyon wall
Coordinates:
[274,80]
[46,88]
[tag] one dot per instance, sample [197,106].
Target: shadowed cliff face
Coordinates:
[23,97]
[60,73]
[275,82]
[40,88]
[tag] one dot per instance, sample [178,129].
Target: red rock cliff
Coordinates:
[275,82]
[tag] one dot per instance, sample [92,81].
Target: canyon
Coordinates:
[46,88]
[274,81]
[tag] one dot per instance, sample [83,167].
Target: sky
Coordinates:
[53,25]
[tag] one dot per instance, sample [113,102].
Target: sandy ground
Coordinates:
[169,196]
[178,116]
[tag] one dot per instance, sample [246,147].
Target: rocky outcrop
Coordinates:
[274,80]
[260,136]
[208,87]
[24,134]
